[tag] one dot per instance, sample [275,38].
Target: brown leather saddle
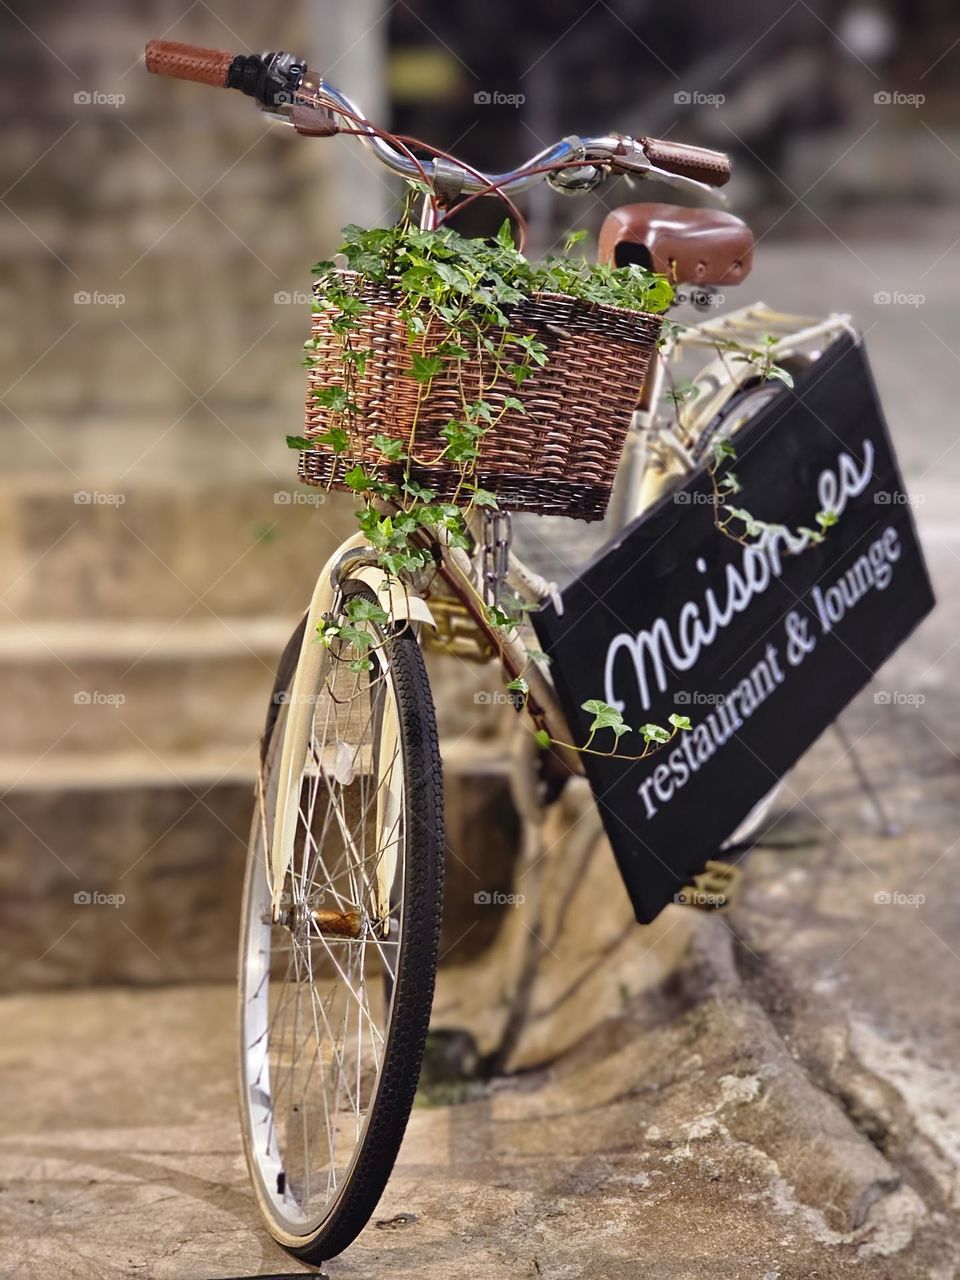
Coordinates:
[688,246]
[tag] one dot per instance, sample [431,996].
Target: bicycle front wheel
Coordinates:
[335,996]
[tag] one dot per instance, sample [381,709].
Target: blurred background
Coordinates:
[157,237]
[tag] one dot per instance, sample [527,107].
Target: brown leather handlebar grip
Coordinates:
[712,167]
[188,62]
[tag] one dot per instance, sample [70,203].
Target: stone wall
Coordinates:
[181,213]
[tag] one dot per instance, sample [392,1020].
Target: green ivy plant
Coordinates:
[736,522]
[455,296]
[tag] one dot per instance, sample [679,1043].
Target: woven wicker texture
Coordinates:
[559,457]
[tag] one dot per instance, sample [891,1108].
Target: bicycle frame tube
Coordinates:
[627,501]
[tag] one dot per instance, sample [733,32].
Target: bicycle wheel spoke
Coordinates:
[320,972]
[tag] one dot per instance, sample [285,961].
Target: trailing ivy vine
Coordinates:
[455,296]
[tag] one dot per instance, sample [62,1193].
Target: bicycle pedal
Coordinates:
[712,889]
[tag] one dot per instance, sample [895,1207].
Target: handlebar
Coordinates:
[285,86]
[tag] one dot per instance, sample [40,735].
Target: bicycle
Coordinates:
[342,895]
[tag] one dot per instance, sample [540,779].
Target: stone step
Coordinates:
[80,832]
[113,550]
[197,685]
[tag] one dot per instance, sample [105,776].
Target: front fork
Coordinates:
[358,561]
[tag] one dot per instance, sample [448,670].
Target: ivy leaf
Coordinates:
[517,691]
[361,640]
[334,398]
[722,449]
[481,410]
[826,519]
[357,479]
[780,374]
[298,442]
[505,235]
[453,277]
[460,437]
[654,733]
[391,449]
[520,373]
[336,438]
[484,498]
[360,664]
[542,738]
[537,655]
[605,717]
[358,359]
[497,618]
[453,351]
[425,367]
[681,722]
[753,527]
[348,306]
[403,561]
[359,609]
[536,350]
[511,402]
[418,492]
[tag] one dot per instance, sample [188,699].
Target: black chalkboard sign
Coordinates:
[760,646]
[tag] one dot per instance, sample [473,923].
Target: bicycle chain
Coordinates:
[495,559]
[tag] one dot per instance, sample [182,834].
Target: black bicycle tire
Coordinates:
[390,1108]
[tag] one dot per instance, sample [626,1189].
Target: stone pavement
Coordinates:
[768,1095]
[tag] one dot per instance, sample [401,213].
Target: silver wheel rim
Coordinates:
[315,1005]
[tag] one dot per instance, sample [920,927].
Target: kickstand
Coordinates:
[887,826]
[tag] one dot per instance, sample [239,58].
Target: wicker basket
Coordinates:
[558,458]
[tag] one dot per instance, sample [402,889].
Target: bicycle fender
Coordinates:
[399,602]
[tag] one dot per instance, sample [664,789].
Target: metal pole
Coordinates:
[349,43]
